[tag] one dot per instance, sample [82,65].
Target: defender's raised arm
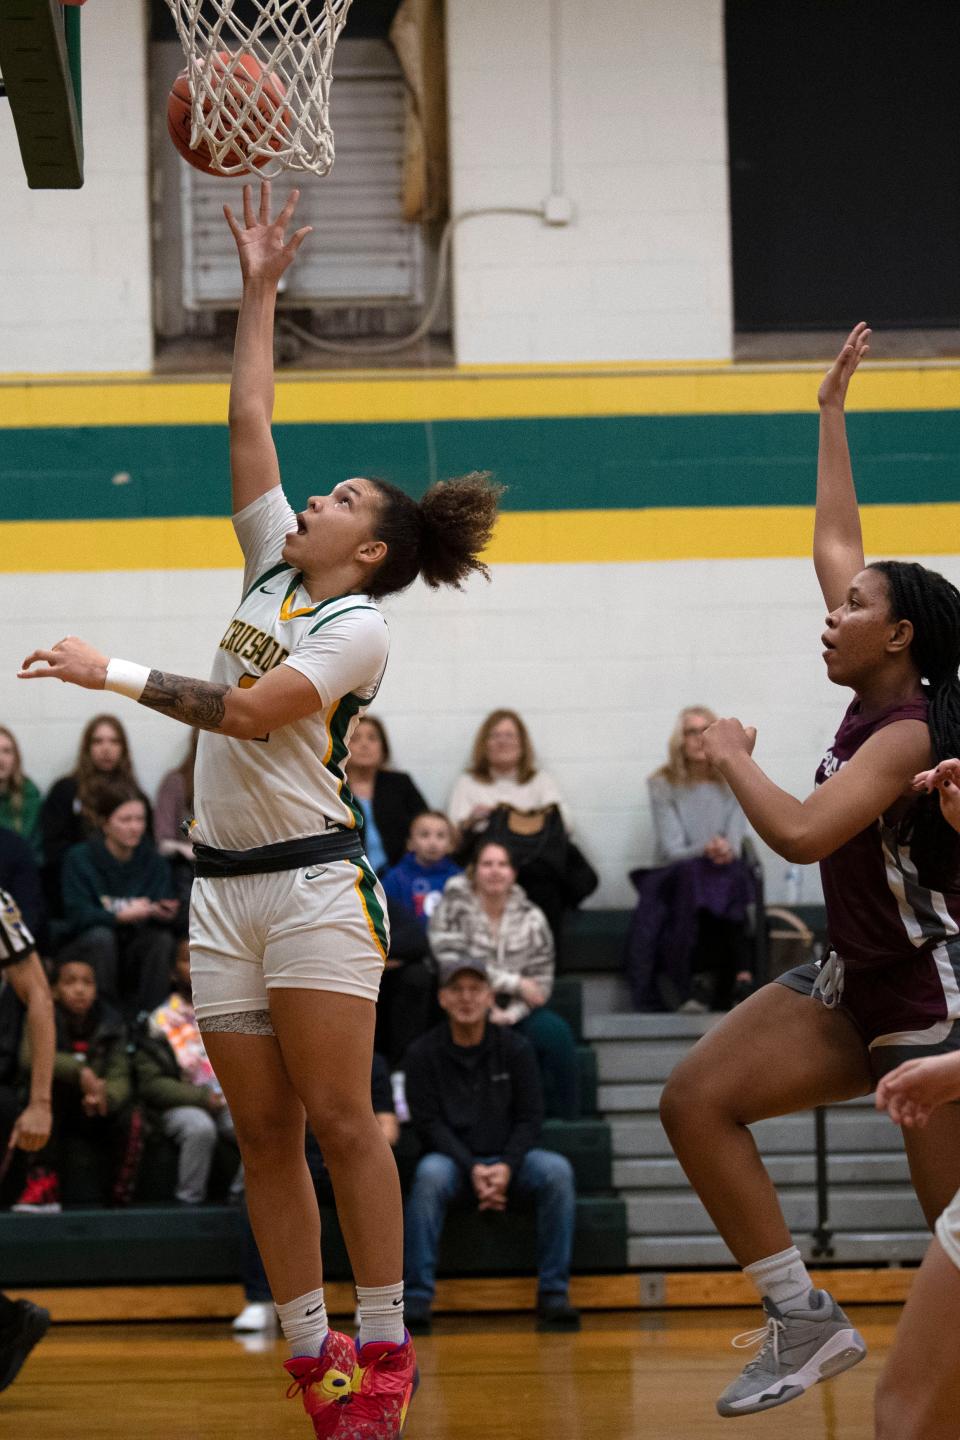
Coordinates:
[837,538]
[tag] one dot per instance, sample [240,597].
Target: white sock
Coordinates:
[381,1313]
[304,1323]
[781,1278]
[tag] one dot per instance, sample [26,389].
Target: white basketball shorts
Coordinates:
[323,927]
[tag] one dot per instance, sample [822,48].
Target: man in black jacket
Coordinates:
[476,1102]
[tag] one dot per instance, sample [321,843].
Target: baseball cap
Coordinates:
[452,968]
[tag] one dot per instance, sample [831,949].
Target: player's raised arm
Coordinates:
[837,538]
[265,254]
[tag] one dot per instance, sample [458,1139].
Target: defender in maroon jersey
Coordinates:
[890,986]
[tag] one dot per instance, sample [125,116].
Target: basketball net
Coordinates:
[292,42]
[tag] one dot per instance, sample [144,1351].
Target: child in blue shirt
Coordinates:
[413,887]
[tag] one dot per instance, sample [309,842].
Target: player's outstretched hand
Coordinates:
[833,386]
[725,739]
[71,660]
[945,779]
[917,1087]
[265,252]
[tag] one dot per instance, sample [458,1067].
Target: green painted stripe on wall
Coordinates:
[609,462]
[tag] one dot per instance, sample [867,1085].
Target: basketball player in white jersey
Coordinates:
[288,930]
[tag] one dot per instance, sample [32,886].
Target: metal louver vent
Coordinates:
[362,251]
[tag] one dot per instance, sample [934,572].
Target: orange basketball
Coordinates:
[243,83]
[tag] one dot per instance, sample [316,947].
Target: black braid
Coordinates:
[932,605]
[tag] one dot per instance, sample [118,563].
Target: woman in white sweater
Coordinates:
[484,915]
[502,771]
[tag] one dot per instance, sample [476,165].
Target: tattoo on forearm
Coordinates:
[195,702]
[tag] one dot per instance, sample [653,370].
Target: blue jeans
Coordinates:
[545,1176]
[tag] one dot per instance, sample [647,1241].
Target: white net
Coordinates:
[259,74]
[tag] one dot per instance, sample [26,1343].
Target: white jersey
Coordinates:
[290,783]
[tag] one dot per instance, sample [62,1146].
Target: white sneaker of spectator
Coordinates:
[256,1315]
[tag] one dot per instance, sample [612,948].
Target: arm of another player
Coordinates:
[31,1129]
[837,538]
[280,697]
[805,831]
[264,256]
[911,1092]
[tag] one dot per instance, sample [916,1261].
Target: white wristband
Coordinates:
[126,678]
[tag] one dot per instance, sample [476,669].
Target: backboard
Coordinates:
[40,70]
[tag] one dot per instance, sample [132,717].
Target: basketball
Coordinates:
[251,121]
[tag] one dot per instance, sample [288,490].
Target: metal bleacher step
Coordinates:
[847,1131]
[888,1167]
[679,1212]
[665,1252]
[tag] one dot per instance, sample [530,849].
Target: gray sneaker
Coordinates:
[799,1348]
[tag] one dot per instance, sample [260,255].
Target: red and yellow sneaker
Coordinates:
[384,1383]
[325,1382]
[41,1193]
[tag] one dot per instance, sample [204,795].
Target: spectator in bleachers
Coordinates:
[504,797]
[258,1312]
[119,903]
[700,828]
[177,1085]
[476,1103]
[413,888]
[67,814]
[174,807]
[94,1122]
[388,798]
[20,800]
[484,917]
[502,771]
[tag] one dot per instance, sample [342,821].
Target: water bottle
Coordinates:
[792,883]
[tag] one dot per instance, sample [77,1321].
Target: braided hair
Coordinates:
[932,605]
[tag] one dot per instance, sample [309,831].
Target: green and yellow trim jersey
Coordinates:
[291,782]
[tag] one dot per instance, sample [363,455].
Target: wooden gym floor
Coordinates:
[626,1376]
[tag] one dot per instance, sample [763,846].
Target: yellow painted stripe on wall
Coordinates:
[589,537]
[474,394]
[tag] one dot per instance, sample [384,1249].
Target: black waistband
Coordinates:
[210,862]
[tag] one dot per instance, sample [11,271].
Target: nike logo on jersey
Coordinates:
[265,591]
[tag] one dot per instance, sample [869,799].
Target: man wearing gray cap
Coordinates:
[476,1102]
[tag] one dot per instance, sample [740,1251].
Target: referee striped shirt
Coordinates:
[16,942]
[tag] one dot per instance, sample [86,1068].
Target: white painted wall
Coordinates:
[643,270]
[75,274]
[598,659]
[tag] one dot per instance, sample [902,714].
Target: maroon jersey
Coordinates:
[882,904]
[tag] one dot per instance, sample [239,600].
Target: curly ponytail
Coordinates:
[932,605]
[440,537]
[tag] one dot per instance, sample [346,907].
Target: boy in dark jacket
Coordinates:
[119,901]
[476,1103]
[177,1084]
[92,1108]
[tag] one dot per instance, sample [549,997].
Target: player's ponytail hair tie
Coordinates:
[441,537]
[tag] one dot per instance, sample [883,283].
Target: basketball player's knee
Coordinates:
[268,1138]
[679,1102]
[341,1133]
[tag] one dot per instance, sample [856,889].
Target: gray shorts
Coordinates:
[904,1010]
